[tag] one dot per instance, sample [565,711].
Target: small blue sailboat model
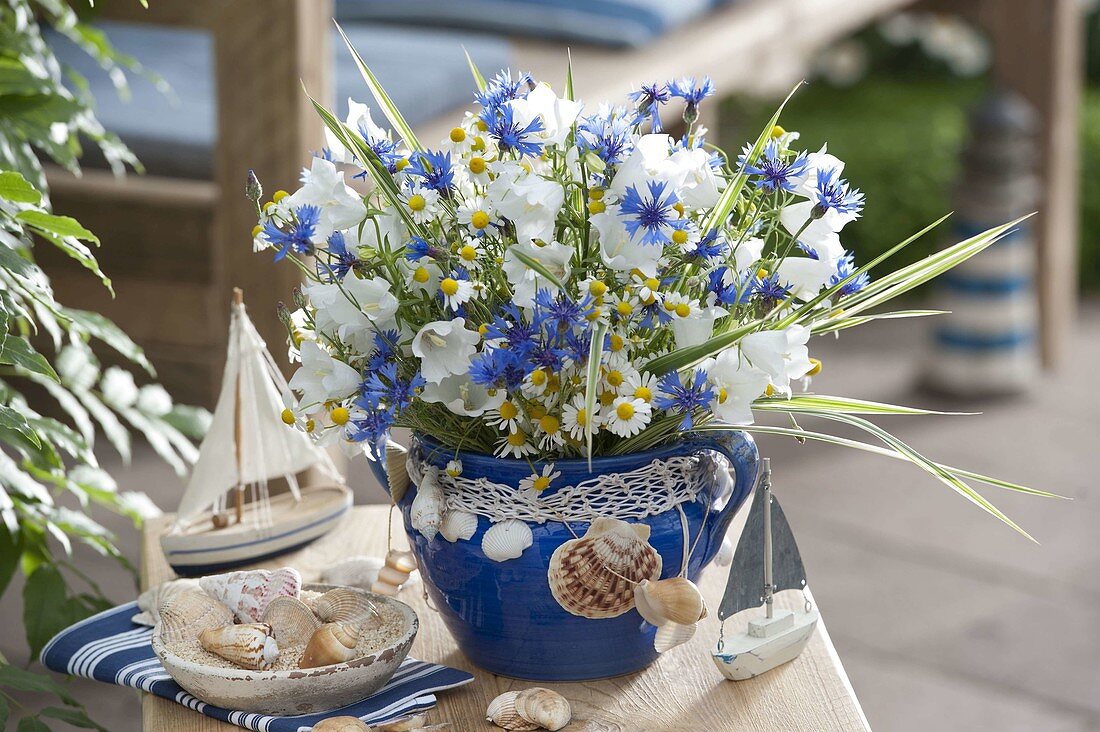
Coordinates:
[766,561]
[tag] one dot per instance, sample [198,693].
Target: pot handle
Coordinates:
[730,491]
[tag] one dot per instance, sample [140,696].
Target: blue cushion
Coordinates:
[603,22]
[424,71]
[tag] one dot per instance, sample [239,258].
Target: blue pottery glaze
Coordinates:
[503,615]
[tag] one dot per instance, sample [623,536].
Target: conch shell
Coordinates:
[503,713]
[427,507]
[291,621]
[397,474]
[543,707]
[359,571]
[594,576]
[247,593]
[458,525]
[343,604]
[506,540]
[672,600]
[332,643]
[185,615]
[399,565]
[150,601]
[671,635]
[250,645]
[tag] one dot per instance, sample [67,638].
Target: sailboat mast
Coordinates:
[238,300]
[766,485]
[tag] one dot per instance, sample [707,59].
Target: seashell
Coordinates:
[543,707]
[343,604]
[458,525]
[671,635]
[503,713]
[247,593]
[399,565]
[341,724]
[360,571]
[411,723]
[427,508]
[397,474]
[594,576]
[724,557]
[291,621]
[675,600]
[506,540]
[150,601]
[187,614]
[332,643]
[250,645]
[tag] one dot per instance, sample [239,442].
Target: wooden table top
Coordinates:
[682,691]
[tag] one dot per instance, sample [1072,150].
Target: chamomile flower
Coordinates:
[423,203]
[648,289]
[624,306]
[550,432]
[536,483]
[456,289]
[536,382]
[504,417]
[454,468]
[516,444]
[477,168]
[460,139]
[627,416]
[641,386]
[477,215]
[617,375]
[471,253]
[679,306]
[575,418]
[423,275]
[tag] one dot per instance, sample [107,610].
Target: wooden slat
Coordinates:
[682,692]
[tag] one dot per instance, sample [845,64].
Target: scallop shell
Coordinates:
[397,474]
[671,635]
[343,604]
[506,540]
[427,507]
[361,572]
[341,724]
[150,601]
[458,525]
[332,643]
[247,593]
[291,621]
[187,614]
[594,576]
[503,713]
[543,707]
[250,645]
[675,600]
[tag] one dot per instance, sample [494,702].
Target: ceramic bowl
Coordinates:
[294,691]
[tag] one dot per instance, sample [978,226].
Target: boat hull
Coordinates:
[199,548]
[745,656]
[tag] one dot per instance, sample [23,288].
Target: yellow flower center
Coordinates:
[541,483]
[624,308]
[287,416]
[256,230]
[615,378]
[458,134]
[517,438]
[778,131]
[596,207]
[597,288]
[550,424]
[644,393]
[553,383]
[417,202]
[478,144]
[339,416]
[616,342]
[770,390]
[762,273]
[582,417]
[538,377]
[679,208]
[479,219]
[683,310]
[653,283]
[606,398]
[670,306]
[477,165]
[468,253]
[625,411]
[595,194]
[421,274]
[537,412]
[482,126]
[679,237]
[401,164]
[816,369]
[722,395]
[310,425]
[594,315]
[508,410]
[449,286]
[279,195]
[268,205]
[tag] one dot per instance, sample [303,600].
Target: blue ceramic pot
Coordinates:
[503,615]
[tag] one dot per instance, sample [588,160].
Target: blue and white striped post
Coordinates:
[988,343]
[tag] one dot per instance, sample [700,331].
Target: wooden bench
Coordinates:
[176,247]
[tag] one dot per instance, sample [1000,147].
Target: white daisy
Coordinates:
[477,166]
[575,418]
[515,445]
[471,253]
[456,291]
[454,468]
[536,382]
[423,203]
[535,483]
[627,416]
[617,375]
[550,432]
[423,275]
[504,417]
[641,386]
[476,214]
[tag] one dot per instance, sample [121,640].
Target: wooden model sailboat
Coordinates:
[766,545]
[247,445]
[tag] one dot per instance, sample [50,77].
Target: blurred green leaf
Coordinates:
[19,352]
[15,188]
[47,608]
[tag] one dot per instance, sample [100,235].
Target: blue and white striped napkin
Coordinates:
[110,647]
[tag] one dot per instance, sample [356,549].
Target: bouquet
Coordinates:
[562,279]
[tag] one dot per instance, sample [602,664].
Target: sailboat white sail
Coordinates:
[246,446]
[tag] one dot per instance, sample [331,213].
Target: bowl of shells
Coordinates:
[318,648]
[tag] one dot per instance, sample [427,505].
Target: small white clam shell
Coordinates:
[292,622]
[359,571]
[506,540]
[676,599]
[458,525]
[427,507]
[150,601]
[544,707]
[188,613]
[671,635]
[397,475]
[502,712]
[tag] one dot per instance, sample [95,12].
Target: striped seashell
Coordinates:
[249,645]
[247,593]
[426,514]
[671,635]
[187,614]
[594,576]
[360,571]
[458,525]
[292,622]
[502,712]
[343,604]
[506,540]
[397,473]
[332,643]
[150,601]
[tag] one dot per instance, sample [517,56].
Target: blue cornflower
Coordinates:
[655,214]
[577,344]
[776,172]
[340,260]
[504,128]
[518,335]
[769,289]
[710,246]
[833,194]
[560,313]
[418,248]
[501,89]
[373,427]
[435,168]
[385,348]
[810,251]
[653,315]
[691,92]
[386,387]
[845,266]
[675,395]
[648,100]
[497,368]
[547,357]
[297,237]
[608,133]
